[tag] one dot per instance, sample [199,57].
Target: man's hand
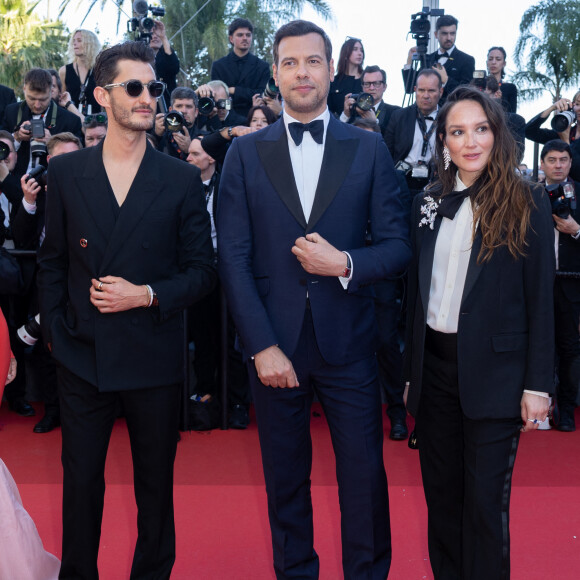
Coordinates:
[566,225]
[114,294]
[370,114]
[160,124]
[24,133]
[442,72]
[30,188]
[182,139]
[274,105]
[534,407]
[410,54]
[348,103]
[275,369]
[257,100]
[237,131]
[317,256]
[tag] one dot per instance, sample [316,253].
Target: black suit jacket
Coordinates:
[251,80]
[509,97]
[65,121]
[459,68]
[161,237]
[505,334]
[384,112]
[400,132]
[7,97]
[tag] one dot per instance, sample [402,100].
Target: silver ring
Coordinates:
[535,421]
[100,286]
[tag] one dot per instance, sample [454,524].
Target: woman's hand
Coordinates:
[11,371]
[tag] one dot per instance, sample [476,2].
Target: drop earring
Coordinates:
[446,157]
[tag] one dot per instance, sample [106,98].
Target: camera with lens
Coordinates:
[39,175]
[207,104]
[30,332]
[36,128]
[562,198]
[38,152]
[364,101]
[479,80]
[562,120]
[142,25]
[421,27]
[271,91]
[4,151]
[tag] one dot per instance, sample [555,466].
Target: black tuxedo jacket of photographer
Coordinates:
[7,97]
[249,75]
[459,68]
[64,121]
[535,132]
[168,145]
[161,237]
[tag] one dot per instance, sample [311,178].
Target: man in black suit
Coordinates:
[7,97]
[244,73]
[410,135]
[556,161]
[37,104]
[296,200]
[127,249]
[166,60]
[455,67]
[374,82]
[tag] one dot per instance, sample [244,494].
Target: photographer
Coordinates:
[455,67]
[215,108]
[176,129]
[410,135]
[556,162]
[37,105]
[568,113]
[10,190]
[374,83]
[166,60]
[95,128]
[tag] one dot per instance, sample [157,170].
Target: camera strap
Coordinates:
[52,117]
[426,134]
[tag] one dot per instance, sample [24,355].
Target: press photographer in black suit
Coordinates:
[556,162]
[455,67]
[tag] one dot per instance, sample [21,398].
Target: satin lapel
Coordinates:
[474,269]
[275,159]
[336,163]
[146,187]
[426,256]
[92,187]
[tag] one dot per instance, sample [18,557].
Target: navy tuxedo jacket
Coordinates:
[505,335]
[260,217]
[160,237]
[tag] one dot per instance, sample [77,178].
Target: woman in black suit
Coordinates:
[496,57]
[348,74]
[480,341]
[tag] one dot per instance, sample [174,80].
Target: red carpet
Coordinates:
[220,503]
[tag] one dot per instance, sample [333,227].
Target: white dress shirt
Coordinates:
[306,160]
[450,262]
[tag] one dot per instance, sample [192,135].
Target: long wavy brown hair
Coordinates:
[502,200]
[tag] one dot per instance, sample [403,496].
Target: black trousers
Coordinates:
[567,317]
[87,418]
[467,468]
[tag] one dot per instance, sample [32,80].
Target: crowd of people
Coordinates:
[357,246]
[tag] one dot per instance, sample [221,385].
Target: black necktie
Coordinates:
[451,203]
[316,129]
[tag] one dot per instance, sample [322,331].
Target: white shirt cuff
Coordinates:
[539,393]
[29,207]
[343,117]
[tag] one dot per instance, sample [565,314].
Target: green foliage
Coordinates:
[26,42]
[547,52]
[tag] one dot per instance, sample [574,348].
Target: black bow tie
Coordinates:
[316,129]
[451,203]
[444,54]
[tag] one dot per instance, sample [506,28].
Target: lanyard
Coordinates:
[426,134]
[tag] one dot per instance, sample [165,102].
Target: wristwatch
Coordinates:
[346,272]
[231,132]
[576,236]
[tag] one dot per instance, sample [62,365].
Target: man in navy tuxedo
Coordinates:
[296,202]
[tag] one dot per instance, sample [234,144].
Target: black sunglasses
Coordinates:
[100,118]
[134,88]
